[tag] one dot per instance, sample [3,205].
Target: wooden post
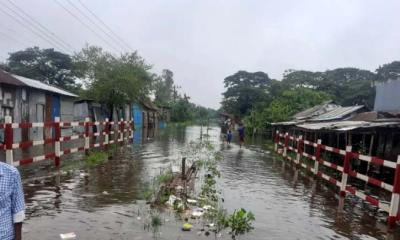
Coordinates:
[286,145]
[57,144]
[394,209]
[87,138]
[184,180]
[8,140]
[346,169]
[183,168]
[317,156]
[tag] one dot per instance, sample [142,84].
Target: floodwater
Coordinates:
[104,202]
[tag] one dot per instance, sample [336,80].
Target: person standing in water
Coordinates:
[229,137]
[241,134]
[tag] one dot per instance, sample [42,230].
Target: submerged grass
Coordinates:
[95,158]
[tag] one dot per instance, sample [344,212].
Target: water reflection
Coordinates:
[104,202]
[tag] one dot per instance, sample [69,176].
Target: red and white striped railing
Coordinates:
[109,133]
[288,142]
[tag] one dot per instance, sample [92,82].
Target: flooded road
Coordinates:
[105,201]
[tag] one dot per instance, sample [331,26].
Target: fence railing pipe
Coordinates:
[299,149]
[346,169]
[87,137]
[317,156]
[57,143]
[8,140]
[394,210]
[276,140]
[286,145]
[106,133]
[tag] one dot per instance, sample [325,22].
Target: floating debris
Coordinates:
[197,212]
[187,227]
[105,193]
[207,207]
[68,236]
[192,201]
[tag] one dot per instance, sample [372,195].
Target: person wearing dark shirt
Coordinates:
[229,137]
[241,134]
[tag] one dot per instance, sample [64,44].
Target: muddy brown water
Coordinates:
[104,202]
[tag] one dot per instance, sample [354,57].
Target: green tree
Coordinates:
[111,80]
[284,106]
[388,71]
[164,88]
[182,109]
[47,65]
[347,86]
[244,90]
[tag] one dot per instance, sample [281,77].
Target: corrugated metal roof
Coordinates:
[365,116]
[347,125]
[6,78]
[40,85]
[337,113]
[289,123]
[316,110]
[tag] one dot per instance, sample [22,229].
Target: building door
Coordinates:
[56,108]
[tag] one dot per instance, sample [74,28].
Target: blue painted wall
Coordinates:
[56,107]
[137,116]
[162,124]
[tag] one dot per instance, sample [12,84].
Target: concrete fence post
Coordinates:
[131,128]
[394,210]
[286,145]
[57,144]
[276,140]
[8,140]
[346,169]
[299,150]
[121,129]
[317,156]
[87,137]
[106,134]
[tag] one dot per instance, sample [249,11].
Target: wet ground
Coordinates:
[105,202]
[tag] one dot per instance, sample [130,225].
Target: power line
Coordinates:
[105,25]
[95,24]
[5,35]
[84,24]
[50,33]
[29,28]
[17,33]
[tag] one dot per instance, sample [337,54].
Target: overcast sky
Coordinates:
[202,41]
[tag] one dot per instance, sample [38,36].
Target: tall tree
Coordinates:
[111,80]
[347,86]
[164,87]
[388,71]
[47,65]
[244,90]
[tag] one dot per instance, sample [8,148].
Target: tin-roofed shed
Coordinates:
[29,100]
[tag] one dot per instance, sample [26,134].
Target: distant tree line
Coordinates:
[111,80]
[260,100]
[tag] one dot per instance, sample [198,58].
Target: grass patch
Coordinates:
[95,158]
[165,177]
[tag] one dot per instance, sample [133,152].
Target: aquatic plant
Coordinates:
[164,177]
[240,222]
